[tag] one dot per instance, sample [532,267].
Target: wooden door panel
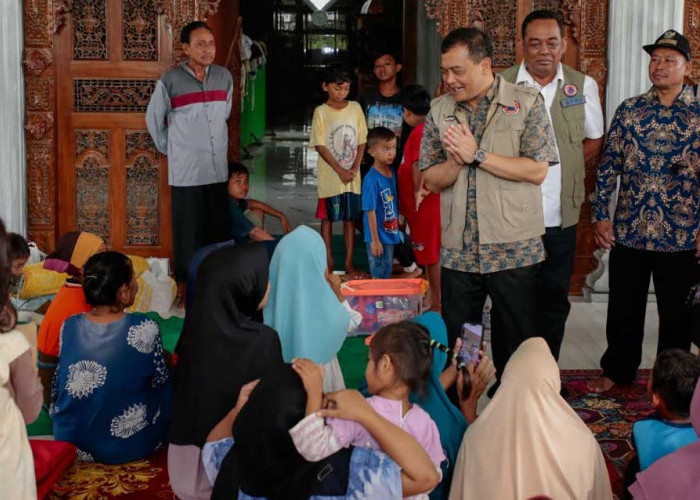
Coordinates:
[111,179]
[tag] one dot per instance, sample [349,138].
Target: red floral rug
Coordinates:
[610,416]
[140,480]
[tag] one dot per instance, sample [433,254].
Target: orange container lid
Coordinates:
[364,288]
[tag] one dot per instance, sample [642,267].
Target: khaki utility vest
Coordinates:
[507,211]
[569,123]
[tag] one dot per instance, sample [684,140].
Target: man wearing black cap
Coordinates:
[653,145]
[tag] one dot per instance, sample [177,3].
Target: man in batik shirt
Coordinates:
[486,147]
[653,146]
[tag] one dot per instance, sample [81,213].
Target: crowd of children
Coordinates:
[374,201]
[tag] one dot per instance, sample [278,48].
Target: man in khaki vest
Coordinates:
[487,146]
[574,107]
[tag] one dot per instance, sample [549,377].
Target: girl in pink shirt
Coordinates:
[399,363]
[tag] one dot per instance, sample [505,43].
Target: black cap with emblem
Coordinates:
[671,39]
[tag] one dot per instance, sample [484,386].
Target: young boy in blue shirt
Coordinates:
[671,386]
[380,211]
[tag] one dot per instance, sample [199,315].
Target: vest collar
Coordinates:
[524,76]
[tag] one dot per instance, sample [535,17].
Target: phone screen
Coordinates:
[472,337]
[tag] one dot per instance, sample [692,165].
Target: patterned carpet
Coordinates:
[140,480]
[610,416]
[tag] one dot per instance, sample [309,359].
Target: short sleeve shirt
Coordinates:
[341,131]
[537,143]
[379,194]
[241,226]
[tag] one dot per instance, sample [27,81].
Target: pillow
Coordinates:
[140,264]
[39,281]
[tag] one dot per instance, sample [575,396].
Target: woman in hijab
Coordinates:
[528,441]
[264,464]
[312,318]
[676,475]
[223,346]
[450,421]
[72,252]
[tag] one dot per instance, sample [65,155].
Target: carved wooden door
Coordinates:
[111,180]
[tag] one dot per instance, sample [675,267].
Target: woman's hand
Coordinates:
[334,282]
[311,376]
[348,404]
[449,376]
[244,394]
[480,378]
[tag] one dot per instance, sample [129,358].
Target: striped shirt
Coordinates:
[187,121]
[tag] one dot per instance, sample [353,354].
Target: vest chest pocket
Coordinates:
[520,203]
[506,137]
[577,132]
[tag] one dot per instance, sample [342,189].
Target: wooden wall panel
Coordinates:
[102,57]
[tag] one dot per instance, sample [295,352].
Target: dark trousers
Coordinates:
[630,269]
[200,218]
[560,246]
[514,306]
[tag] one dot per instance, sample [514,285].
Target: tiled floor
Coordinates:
[283,174]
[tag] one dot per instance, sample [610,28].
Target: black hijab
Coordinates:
[221,347]
[264,461]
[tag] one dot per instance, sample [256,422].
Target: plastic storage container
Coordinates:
[381,302]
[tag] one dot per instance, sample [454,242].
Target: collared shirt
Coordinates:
[187,121]
[656,152]
[594,127]
[536,143]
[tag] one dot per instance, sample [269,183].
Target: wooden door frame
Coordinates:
[42,21]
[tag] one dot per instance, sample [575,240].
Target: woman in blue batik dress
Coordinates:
[111,392]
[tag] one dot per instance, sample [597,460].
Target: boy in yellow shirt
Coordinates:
[339,134]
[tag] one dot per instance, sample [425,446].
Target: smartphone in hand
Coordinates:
[472,338]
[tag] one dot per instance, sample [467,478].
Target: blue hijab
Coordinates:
[447,417]
[307,315]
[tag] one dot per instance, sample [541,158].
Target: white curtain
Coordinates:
[632,24]
[13,172]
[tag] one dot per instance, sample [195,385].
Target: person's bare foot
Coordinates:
[600,384]
[351,271]
[413,274]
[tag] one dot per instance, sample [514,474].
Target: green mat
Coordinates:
[170,329]
[359,254]
[353,361]
[42,426]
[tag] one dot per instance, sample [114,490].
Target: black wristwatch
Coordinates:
[479,156]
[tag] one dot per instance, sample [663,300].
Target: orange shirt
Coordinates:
[69,301]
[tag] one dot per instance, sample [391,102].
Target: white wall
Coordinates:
[632,24]
[13,172]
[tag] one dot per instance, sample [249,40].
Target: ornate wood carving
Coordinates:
[570,11]
[39,24]
[89,29]
[140,35]
[112,95]
[180,12]
[691,30]
[142,183]
[92,182]
[41,183]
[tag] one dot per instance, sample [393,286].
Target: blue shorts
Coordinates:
[381,267]
[342,207]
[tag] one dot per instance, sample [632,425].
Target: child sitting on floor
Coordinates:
[670,387]
[19,255]
[400,357]
[248,216]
